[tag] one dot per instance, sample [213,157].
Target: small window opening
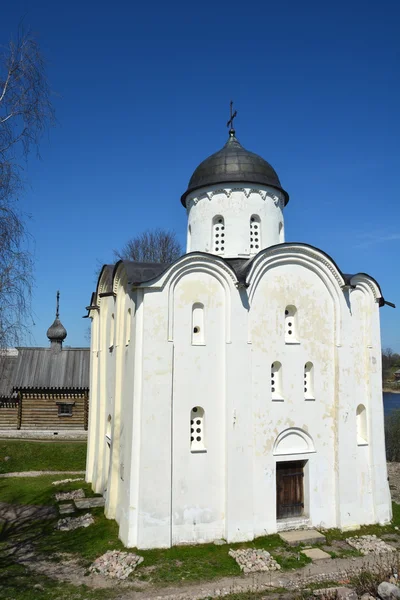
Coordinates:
[276,381]
[64,410]
[197,430]
[309,381]
[291,325]
[189,238]
[362,433]
[255,234]
[198,338]
[218,234]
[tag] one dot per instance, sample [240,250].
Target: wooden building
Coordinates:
[45,388]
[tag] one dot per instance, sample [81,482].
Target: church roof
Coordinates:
[43,369]
[233,163]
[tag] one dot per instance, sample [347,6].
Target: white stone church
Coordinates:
[237,391]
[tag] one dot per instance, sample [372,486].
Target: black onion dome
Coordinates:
[57,331]
[233,163]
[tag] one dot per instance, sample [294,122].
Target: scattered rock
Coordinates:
[89,503]
[368,544]
[66,509]
[61,481]
[388,591]
[74,495]
[367,597]
[7,458]
[116,564]
[71,523]
[252,560]
[219,542]
[336,593]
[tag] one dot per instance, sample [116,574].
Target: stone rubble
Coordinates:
[74,495]
[251,560]
[66,509]
[116,564]
[368,544]
[61,481]
[71,523]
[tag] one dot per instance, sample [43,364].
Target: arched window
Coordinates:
[218,234]
[309,381]
[198,338]
[281,233]
[197,440]
[128,327]
[276,381]
[291,325]
[362,433]
[255,234]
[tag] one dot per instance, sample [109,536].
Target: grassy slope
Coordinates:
[37,490]
[42,456]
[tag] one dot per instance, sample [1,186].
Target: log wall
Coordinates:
[8,414]
[41,411]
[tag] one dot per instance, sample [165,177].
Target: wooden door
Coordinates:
[289,489]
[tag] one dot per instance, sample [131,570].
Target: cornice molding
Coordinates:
[264,194]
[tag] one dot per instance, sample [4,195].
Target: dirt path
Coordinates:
[38,473]
[331,569]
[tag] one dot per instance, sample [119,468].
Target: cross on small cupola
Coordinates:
[230,122]
[57,332]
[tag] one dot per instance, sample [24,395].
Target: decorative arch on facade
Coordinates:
[371,294]
[308,258]
[104,283]
[293,441]
[197,263]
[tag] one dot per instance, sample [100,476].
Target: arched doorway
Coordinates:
[291,474]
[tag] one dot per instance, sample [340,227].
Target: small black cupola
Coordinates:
[57,332]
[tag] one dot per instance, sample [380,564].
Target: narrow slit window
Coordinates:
[128,327]
[255,234]
[189,239]
[361,417]
[112,331]
[276,381]
[309,381]
[291,325]
[197,441]
[218,234]
[198,337]
[281,233]
[108,431]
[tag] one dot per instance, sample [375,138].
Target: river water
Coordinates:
[390,402]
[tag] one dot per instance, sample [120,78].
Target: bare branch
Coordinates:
[26,112]
[158,245]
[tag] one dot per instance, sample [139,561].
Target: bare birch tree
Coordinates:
[25,114]
[156,245]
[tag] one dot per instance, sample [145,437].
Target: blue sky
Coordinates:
[142,95]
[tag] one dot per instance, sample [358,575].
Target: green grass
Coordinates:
[42,456]
[37,490]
